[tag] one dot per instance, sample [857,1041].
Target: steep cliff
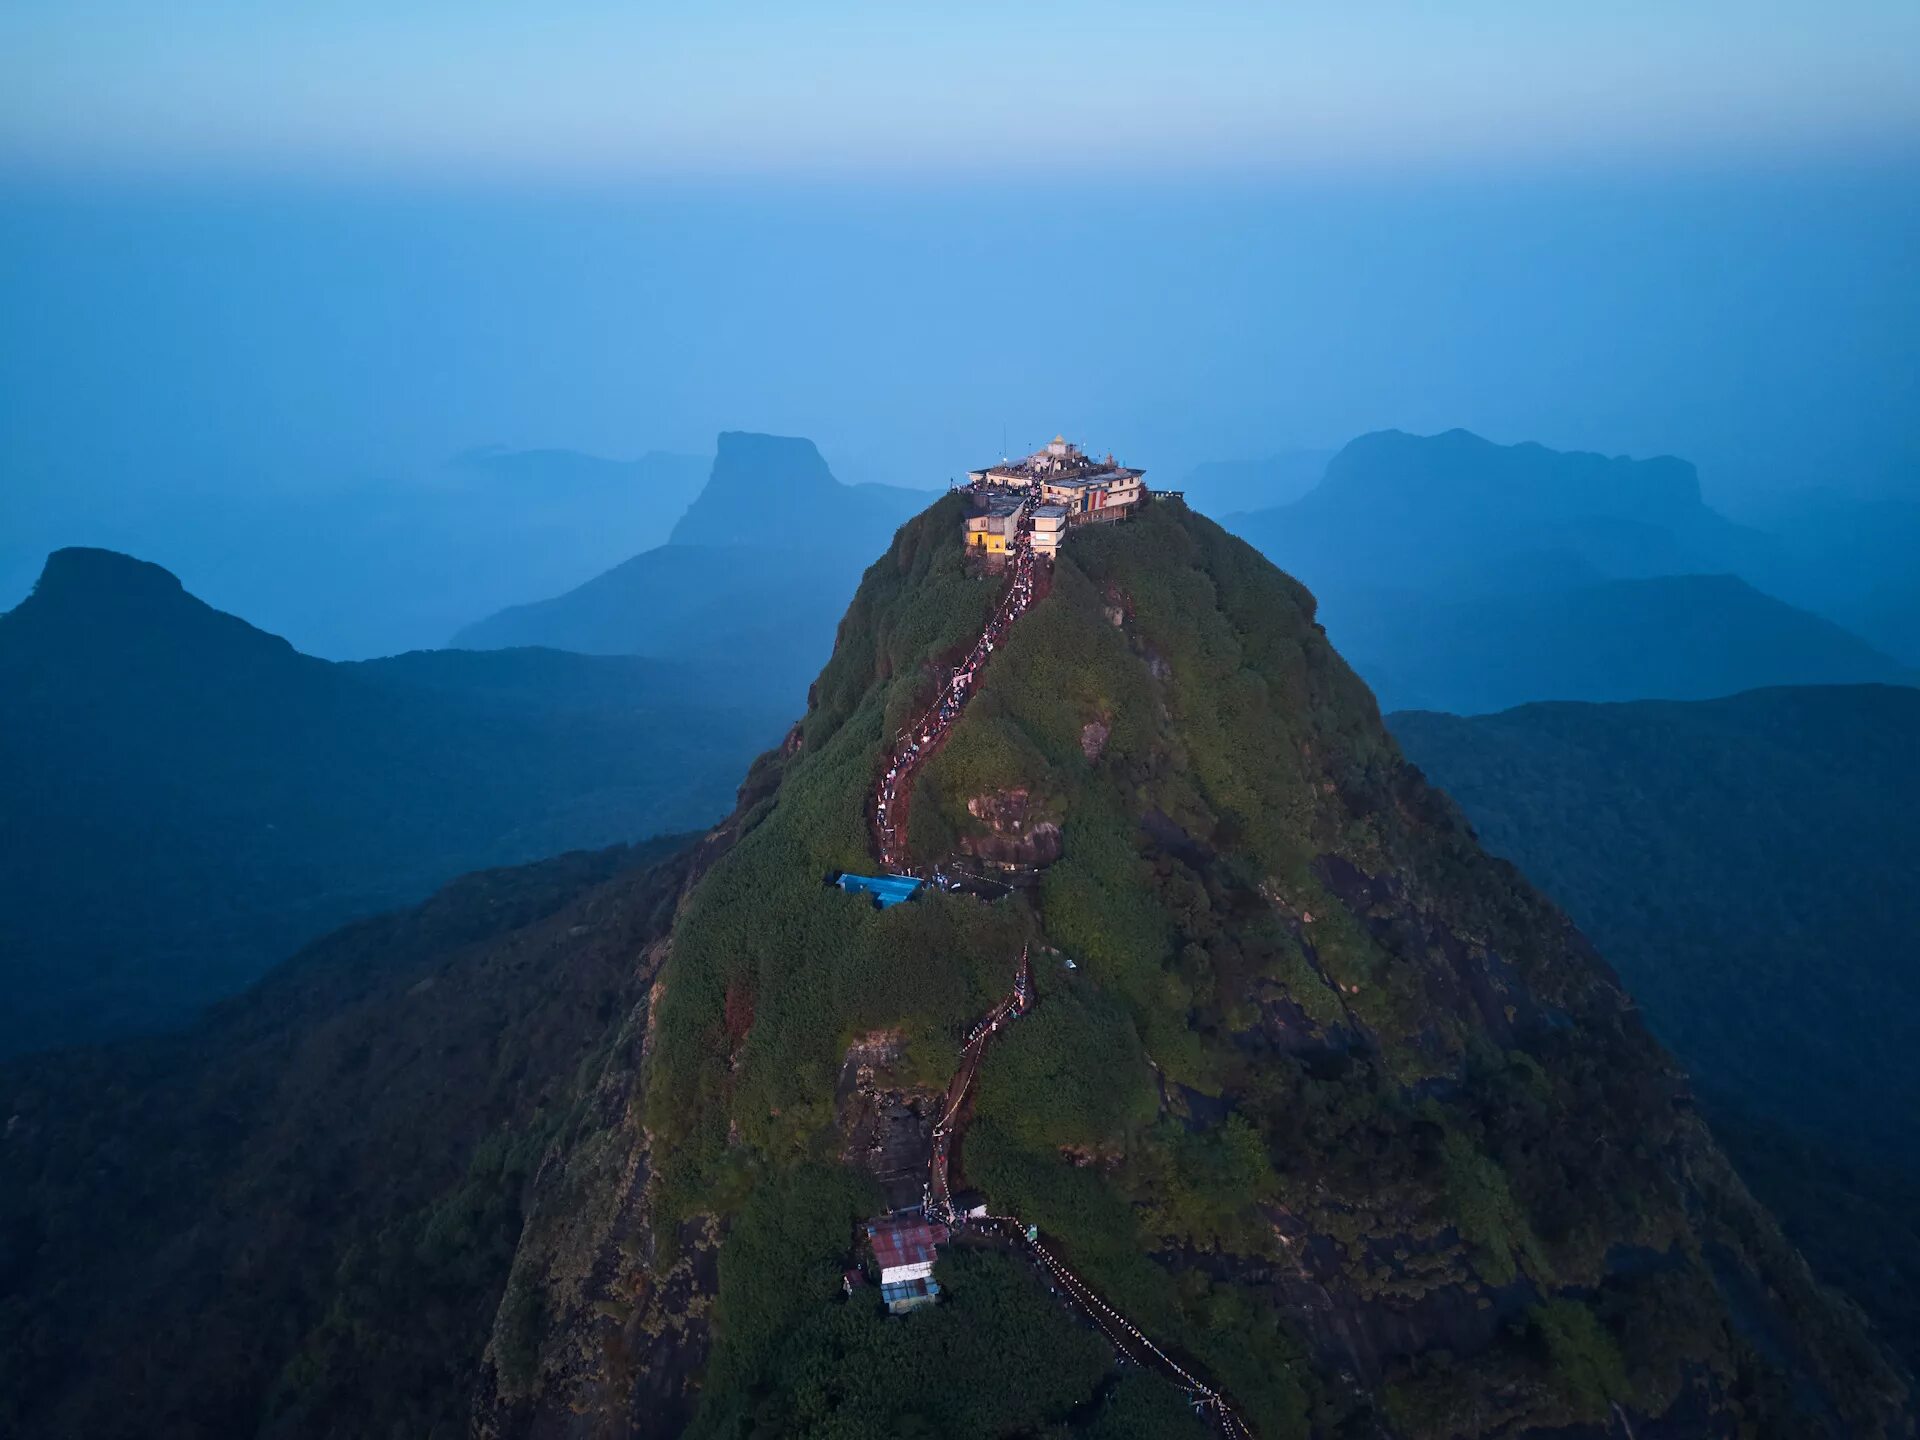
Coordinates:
[1329,1101]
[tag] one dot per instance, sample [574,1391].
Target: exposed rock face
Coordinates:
[605,1326]
[602,1332]
[1014,837]
[1093,738]
[886,1127]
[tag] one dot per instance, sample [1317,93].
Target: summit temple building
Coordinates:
[1045,493]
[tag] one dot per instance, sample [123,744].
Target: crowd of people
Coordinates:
[938,1203]
[919,740]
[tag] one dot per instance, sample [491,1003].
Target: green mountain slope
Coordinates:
[1333,1103]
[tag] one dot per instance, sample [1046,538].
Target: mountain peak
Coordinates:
[1255,940]
[92,600]
[86,570]
[761,485]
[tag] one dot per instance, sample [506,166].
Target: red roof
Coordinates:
[905,1243]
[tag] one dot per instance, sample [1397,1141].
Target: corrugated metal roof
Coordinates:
[911,1244]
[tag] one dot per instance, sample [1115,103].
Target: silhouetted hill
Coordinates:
[1674,637]
[1853,560]
[764,617]
[1452,512]
[189,798]
[1748,864]
[1461,575]
[775,491]
[372,565]
[754,581]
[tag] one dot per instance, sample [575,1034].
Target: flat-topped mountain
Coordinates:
[753,581]
[189,798]
[776,490]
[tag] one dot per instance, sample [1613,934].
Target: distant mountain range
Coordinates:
[1852,559]
[1456,511]
[189,798]
[753,579]
[394,562]
[1462,575]
[1747,864]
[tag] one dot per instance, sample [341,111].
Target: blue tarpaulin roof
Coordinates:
[908,1290]
[885,889]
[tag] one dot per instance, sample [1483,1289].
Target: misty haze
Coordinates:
[838,722]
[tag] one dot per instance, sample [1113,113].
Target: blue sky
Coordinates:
[251,253]
[597,91]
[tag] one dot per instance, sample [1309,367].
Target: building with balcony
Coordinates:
[1059,477]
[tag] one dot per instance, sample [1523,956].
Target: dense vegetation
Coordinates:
[189,799]
[297,1217]
[1748,865]
[1382,1061]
